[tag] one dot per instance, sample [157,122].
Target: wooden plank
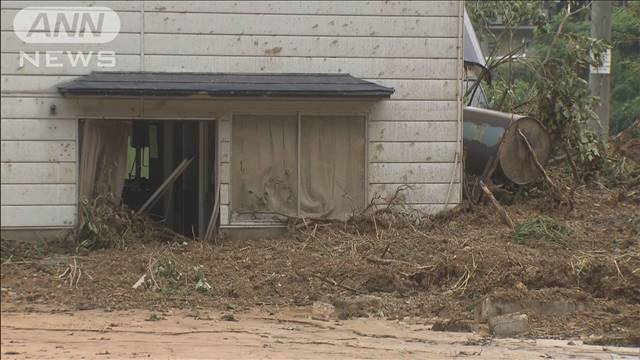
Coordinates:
[38,216]
[420,89]
[224,215]
[10,64]
[225,173]
[268,46]
[165,185]
[299,25]
[224,193]
[129,21]
[386,68]
[38,194]
[122,44]
[38,173]
[123,5]
[225,131]
[395,8]
[225,152]
[34,107]
[38,151]
[38,129]
[412,173]
[412,151]
[418,194]
[36,84]
[413,131]
[414,111]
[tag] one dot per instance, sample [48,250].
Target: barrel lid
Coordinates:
[515,160]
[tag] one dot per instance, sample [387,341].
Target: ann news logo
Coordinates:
[73,26]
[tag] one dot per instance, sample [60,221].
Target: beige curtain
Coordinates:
[332,166]
[103,157]
[264,165]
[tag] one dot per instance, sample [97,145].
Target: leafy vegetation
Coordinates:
[541,228]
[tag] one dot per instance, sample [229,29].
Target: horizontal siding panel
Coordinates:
[421,89]
[38,151]
[39,194]
[412,173]
[122,44]
[359,67]
[38,216]
[36,84]
[38,173]
[412,152]
[248,45]
[417,194]
[430,209]
[414,111]
[38,129]
[397,8]
[300,25]
[413,131]
[123,5]
[129,21]
[40,107]
[10,65]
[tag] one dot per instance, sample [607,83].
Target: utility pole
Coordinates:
[600,78]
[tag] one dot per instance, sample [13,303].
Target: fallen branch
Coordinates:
[556,190]
[334,283]
[381,261]
[503,213]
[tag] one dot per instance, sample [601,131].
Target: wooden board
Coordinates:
[39,129]
[407,131]
[380,8]
[424,152]
[419,194]
[38,173]
[248,45]
[300,25]
[412,173]
[38,151]
[38,216]
[372,68]
[39,194]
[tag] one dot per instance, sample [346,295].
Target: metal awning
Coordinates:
[223,84]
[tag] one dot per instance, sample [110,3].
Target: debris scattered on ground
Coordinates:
[402,264]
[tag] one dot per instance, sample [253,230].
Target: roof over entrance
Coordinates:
[223,84]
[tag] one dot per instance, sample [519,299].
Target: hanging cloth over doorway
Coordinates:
[103,158]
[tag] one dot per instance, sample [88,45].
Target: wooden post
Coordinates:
[600,78]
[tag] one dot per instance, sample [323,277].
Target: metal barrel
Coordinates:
[490,133]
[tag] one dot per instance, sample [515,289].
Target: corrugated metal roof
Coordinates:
[223,84]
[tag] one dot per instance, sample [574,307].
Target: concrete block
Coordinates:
[509,325]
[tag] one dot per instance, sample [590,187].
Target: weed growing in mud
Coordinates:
[541,228]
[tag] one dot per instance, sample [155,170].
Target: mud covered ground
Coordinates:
[443,268]
[289,334]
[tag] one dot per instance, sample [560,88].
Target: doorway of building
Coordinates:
[165,168]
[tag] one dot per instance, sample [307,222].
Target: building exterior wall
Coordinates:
[414,46]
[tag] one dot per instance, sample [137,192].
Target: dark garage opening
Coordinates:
[165,167]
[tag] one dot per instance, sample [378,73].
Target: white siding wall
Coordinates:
[413,46]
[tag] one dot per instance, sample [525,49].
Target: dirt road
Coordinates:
[259,334]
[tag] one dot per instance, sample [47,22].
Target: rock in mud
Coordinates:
[322,310]
[454,325]
[357,306]
[509,325]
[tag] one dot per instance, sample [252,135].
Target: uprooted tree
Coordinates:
[549,81]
